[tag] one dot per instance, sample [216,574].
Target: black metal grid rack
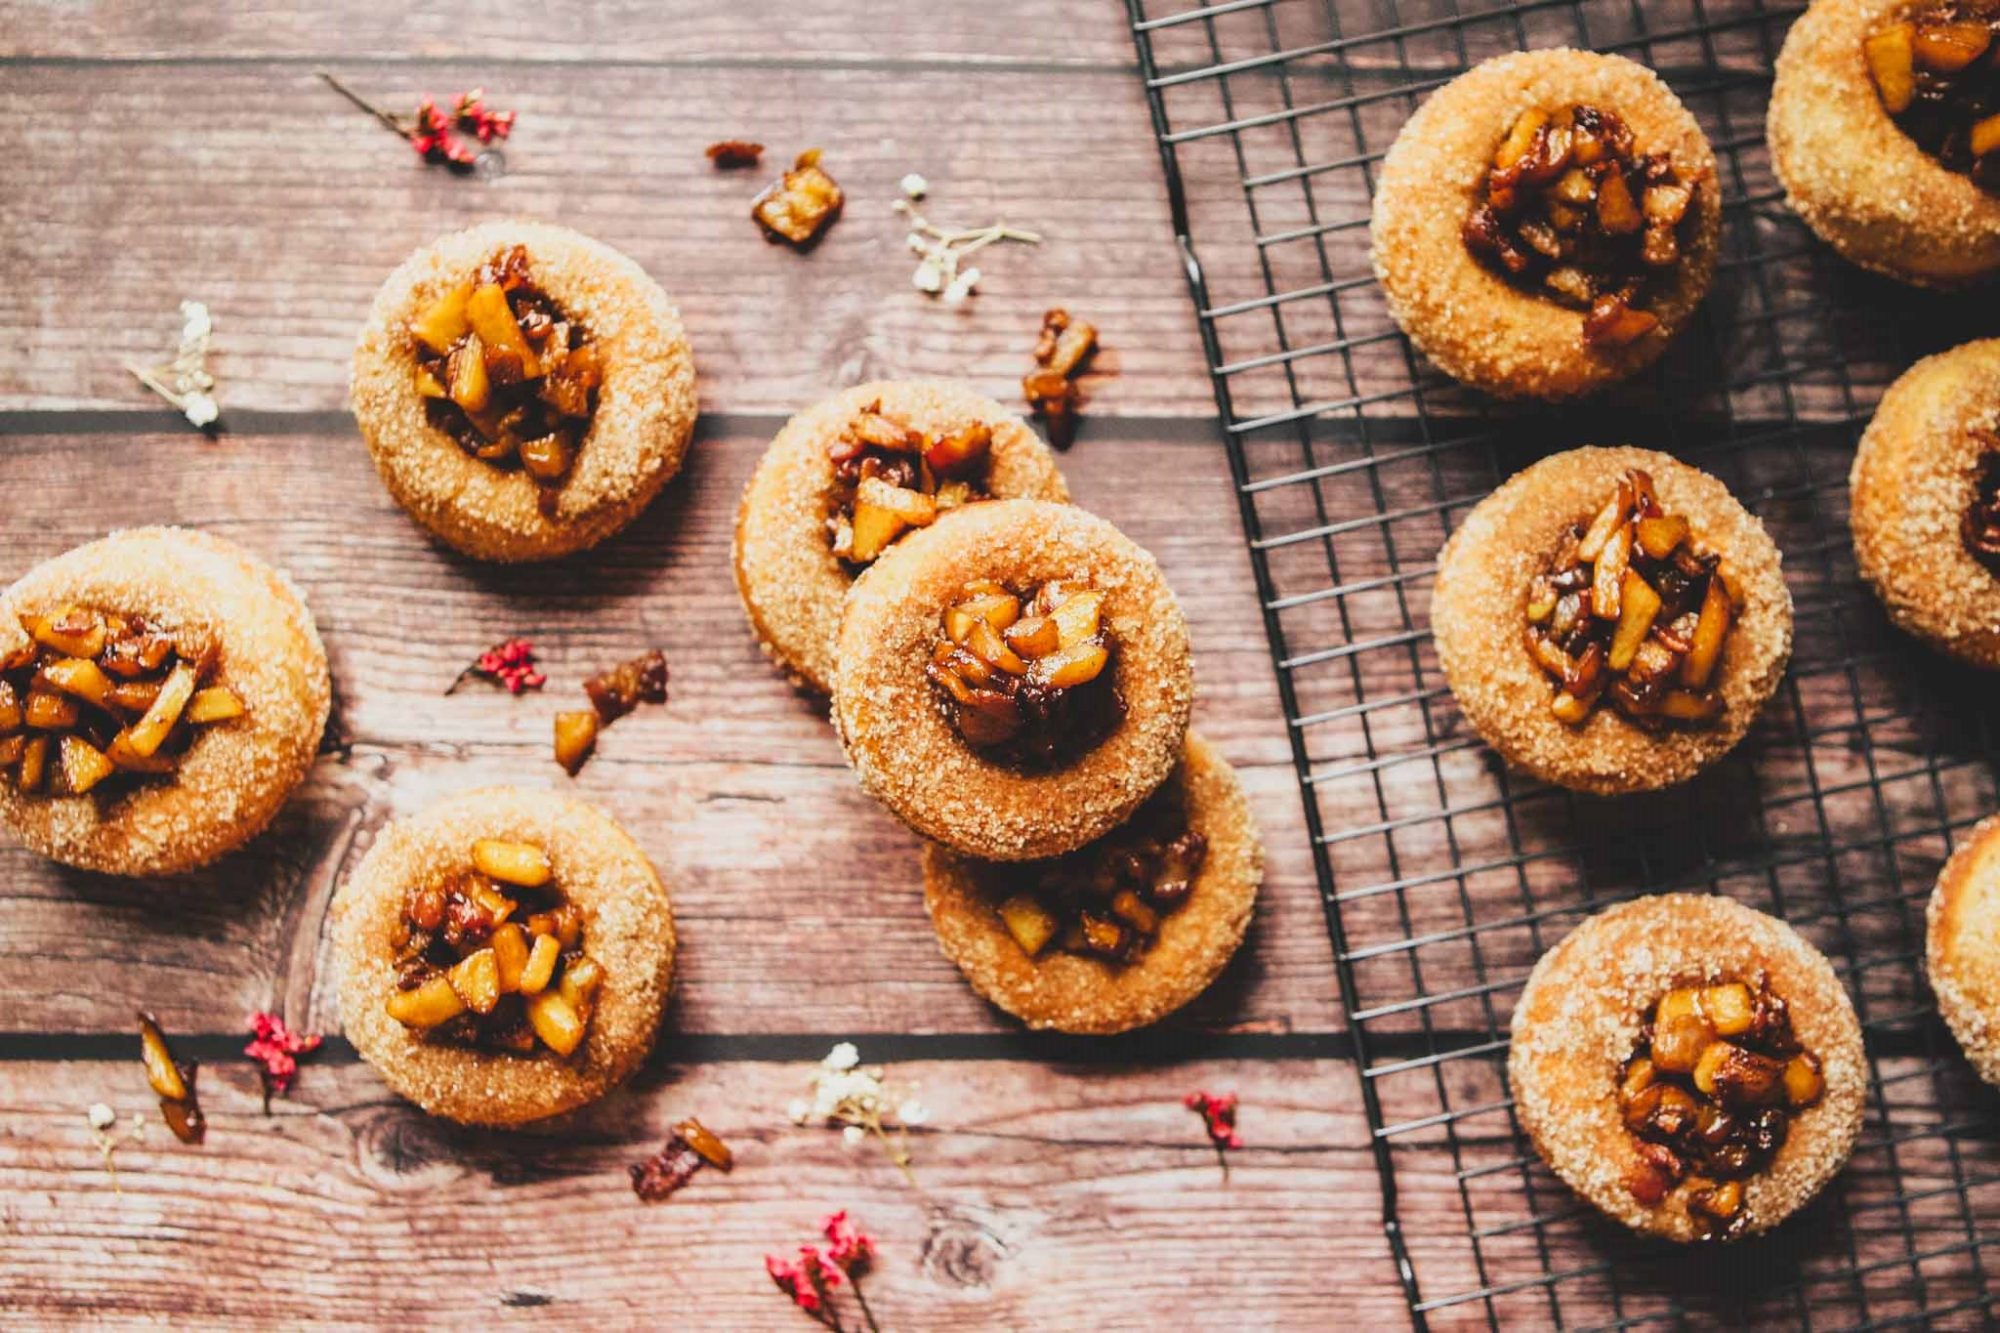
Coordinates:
[1444,875]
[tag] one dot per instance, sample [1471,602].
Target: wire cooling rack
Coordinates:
[1444,875]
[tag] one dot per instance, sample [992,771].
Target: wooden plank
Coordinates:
[736,788]
[1043,1193]
[244,186]
[1046,34]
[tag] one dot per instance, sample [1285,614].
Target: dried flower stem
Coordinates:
[388,118]
[941,249]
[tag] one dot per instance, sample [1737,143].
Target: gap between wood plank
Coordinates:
[863,64]
[250,422]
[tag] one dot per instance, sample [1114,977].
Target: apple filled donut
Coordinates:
[849,477]
[1884,129]
[525,391]
[1688,1065]
[504,956]
[1963,947]
[1611,620]
[1014,680]
[162,692]
[1925,502]
[1546,222]
[1121,932]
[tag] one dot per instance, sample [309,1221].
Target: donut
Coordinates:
[1691,1067]
[1546,222]
[440,919]
[1856,176]
[162,691]
[1165,945]
[1682,664]
[582,396]
[1925,502]
[1962,947]
[800,503]
[1013,680]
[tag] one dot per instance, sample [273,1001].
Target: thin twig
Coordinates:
[387,118]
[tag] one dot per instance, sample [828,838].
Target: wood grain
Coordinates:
[1044,1196]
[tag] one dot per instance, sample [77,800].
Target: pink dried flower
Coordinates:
[510,663]
[849,1248]
[1218,1116]
[276,1049]
[809,1280]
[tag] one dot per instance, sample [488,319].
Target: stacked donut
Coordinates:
[1011,677]
[1612,620]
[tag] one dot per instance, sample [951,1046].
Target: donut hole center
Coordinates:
[491,956]
[1107,900]
[1570,210]
[1027,677]
[890,478]
[1709,1095]
[1979,526]
[1626,611]
[103,701]
[1936,70]
[506,373]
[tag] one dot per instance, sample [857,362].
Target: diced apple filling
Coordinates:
[1936,69]
[1110,899]
[890,477]
[1709,1096]
[1628,612]
[96,697]
[507,373]
[1026,679]
[1571,210]
[493,957]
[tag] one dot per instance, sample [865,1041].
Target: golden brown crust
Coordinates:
[1071,993]
[1579,1018]
[236,775]
[1914,477]
[1478,611]
[906,751]
[638,434]
[786,573]
[1963,947]
[1468,320]
[628,927]
[1858,181]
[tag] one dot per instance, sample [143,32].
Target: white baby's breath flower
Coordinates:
[915,186]
[101,1116]
[961,287]
[929,277]
[195,323]
[913,1112]
[853,1136]
[200,409]
[800,1110]
[918,245]
[842,1057]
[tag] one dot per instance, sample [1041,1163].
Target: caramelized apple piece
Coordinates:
[469,385]
[74,631]
[34,767]
[1640,605]
[710,1148]
[546,458]
[1659,535]
[1612,323]
[556,1021]
[81,677]
[1892,61]
[873,530]
[987,718]
[443,322]
[1036,636]
[427,1005]
[1128,907]
[1617,211]
[1520,139]
[541,965]
[988,647]
[801,204]
[963,448]
[217,703]
[510,955]
[1067,668]
[1729,1008]
[1803,1081]
[1031,925]
[50,711]
[493,323]
[1985,136]
[476,978]
[83,765]
[1607,588]
[996,606]
[147,734]
[1705,645]
[912,508]
[1606,521]
[518,863]
[163,1073]
[12,715]
[576,737]
[1950,47]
